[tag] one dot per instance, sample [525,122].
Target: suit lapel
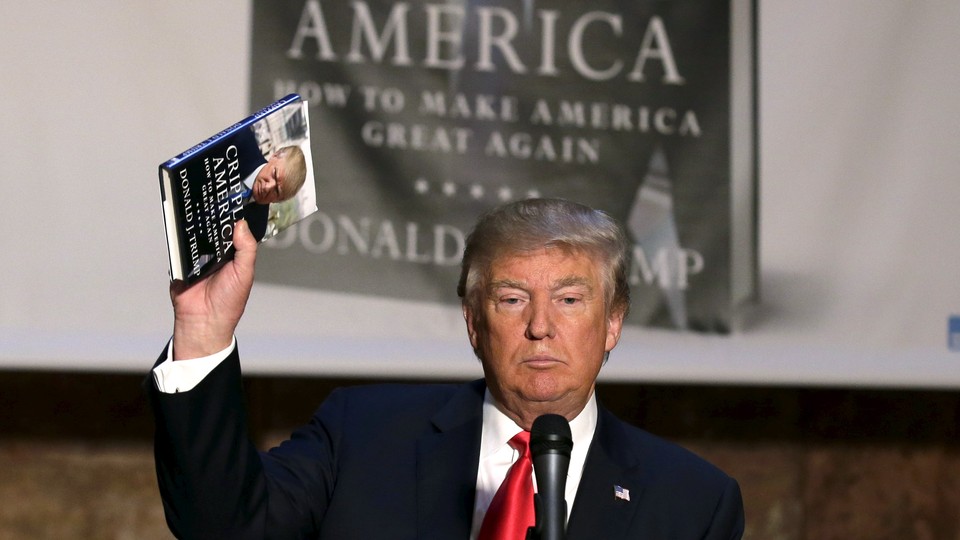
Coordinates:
[597,511]
[447,466]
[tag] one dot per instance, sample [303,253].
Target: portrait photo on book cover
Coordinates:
[275,161]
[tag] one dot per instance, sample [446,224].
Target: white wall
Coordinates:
[860,250]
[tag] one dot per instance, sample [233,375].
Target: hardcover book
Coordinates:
[259,169]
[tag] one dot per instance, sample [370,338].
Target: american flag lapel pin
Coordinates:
[622,493]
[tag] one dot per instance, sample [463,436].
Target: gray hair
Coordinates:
[532,224]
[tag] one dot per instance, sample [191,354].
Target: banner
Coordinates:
[427,114]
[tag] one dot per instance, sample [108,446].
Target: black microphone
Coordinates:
[550,445]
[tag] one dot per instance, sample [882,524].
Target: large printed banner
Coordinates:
[426,114]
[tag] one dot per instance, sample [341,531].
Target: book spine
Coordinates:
[276,105]
[171,217]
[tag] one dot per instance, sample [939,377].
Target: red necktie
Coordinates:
[511,511]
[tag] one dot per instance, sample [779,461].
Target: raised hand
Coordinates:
[206,313]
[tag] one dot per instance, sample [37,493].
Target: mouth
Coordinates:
[541,362]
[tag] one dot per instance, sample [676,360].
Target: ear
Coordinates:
[614,327]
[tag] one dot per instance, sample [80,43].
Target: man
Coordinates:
[273,180]
[544,294]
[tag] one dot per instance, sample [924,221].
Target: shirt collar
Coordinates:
[498,428]
[248,181]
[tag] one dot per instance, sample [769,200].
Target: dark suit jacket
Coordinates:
[400,461]
[257,216]
[250,156]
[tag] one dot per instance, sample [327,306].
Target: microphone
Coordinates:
[550,445]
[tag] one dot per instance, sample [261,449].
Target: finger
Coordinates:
[177,286]
[245,244]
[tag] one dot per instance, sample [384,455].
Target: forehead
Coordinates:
[544,267]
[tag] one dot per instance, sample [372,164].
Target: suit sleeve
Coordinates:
[213,481]
[728,519]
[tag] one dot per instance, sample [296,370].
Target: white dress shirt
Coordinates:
[248,181]
[497,456]
[181,376]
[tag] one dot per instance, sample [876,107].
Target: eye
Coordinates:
[510,301]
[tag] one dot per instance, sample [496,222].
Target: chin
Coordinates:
[545,387]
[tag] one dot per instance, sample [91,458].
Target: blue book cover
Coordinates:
[259,169]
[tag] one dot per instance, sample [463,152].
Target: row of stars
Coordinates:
[449,189]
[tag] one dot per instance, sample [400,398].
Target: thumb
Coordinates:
[245,244]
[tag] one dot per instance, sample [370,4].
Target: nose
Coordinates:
[540,322]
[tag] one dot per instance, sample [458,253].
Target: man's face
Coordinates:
[542,332]
[268,185]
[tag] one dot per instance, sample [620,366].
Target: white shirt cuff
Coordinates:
[183,375]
